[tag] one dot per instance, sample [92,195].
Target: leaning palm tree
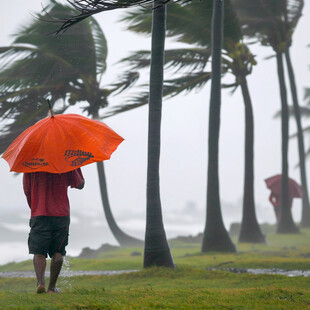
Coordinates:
[156,249]
[305,113]
[66,69]
[192,63]
[305,216]
[241,64]
[268,21]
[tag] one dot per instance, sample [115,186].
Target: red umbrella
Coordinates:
[274,184]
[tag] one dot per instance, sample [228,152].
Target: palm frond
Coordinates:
[138,60]
[134,102]
[304,111]
[271,21]
[306,129]
[185,83]
[63,68]
[139,20]
[88,8]
[101,47]
[86,37]
[186,22]
[127,80]
[171,88]
[176,59]
[187,58]
[234,86]
[278,114]
[294,11]
[307,95]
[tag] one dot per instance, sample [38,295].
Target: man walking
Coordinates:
[48,200]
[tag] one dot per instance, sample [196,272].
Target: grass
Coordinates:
[189,286]
[282,251]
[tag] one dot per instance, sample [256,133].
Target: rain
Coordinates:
[183,147]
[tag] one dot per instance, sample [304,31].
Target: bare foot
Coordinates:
[53,291]
[40,289]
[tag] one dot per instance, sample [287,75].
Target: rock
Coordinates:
[90,253]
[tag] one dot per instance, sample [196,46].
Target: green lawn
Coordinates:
[189,286]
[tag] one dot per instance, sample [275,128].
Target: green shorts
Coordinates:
[48,235]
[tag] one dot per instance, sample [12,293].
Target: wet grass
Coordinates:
[162,288]
[189,286]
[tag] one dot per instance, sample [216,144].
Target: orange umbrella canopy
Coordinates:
[61,143]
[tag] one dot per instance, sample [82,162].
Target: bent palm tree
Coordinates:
[241,64]
[305,217]
[37,66]
[192,62]
[269,22]
[305,113]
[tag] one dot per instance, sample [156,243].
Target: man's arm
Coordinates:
[77,179]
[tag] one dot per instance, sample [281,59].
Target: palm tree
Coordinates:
[267,21]
[305,217]
[156,249]
[37,66]
[305,113]
[215,236]
[241,66]
[292,14]
[192,61]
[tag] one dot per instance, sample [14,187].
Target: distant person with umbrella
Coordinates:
[274,184]
[50,154]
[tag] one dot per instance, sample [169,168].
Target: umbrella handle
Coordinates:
[49,104]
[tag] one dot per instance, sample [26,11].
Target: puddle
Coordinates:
[289,273]
[64,274]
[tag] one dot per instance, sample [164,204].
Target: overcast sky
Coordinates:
[183,167]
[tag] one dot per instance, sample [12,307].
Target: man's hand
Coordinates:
[81,185]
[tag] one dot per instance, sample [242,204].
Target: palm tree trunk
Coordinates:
[305,218]
[286,223]
[250,229]
[215,236]
[156,250]
[123,239]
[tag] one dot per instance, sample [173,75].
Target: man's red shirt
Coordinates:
[47,192]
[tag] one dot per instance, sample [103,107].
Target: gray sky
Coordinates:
[184,141]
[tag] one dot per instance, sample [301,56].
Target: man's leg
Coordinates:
[56,264]
[39,263]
